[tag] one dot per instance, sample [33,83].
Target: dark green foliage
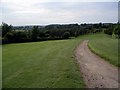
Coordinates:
[15,36]
[117,30]
[9,37]
[66,35]
[49,32]
[5,29]
[35,33]
[113,29]
[0,31]
[109,30]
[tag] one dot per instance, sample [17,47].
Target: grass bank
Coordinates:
[106,47]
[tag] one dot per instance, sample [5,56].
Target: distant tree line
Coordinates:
[11,34]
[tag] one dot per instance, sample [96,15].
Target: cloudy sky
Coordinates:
[42,12]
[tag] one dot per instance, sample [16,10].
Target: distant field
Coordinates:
[106,47]
[51,63]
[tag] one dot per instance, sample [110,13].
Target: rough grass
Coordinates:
[106,47]
[48,64]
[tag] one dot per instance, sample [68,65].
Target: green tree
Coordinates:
[35,33]
[66,35]
[109,30]
[0,30]
[117,30]
[6,28]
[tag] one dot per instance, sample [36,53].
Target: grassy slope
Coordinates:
[106,47]
[41,64]
[51,63]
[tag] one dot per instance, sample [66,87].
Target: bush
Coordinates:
[117,31]
[6,28]
[8,37]
[109,30]
[66,35]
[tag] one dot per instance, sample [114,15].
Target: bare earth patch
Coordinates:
[97,72]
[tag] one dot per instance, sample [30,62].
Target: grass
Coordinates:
[51,64]
[0,66]
[41,65]
[106,47]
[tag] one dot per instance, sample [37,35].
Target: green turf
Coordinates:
[0,66]
[41,64]
[51,63]
[106,47]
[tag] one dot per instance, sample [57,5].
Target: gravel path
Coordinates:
[97,72]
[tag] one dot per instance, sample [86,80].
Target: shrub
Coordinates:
[117,32]
[66,35]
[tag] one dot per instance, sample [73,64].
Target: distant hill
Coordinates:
[29,27]
[25,27]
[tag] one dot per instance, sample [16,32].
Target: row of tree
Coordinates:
[113,29]
[50,32]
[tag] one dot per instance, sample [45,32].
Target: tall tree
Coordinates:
[117,30]
[5,29]
[35,33]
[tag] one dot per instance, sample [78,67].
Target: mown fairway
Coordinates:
[41,64]
[51,63]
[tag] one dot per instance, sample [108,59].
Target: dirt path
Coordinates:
[97,73]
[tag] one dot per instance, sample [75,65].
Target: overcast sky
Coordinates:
[42,12]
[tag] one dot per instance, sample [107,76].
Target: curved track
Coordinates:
[97,72]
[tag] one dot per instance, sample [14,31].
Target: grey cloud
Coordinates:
[65,12]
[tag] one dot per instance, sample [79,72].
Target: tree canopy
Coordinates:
[14,34]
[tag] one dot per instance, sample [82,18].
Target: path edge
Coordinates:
[76,62]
